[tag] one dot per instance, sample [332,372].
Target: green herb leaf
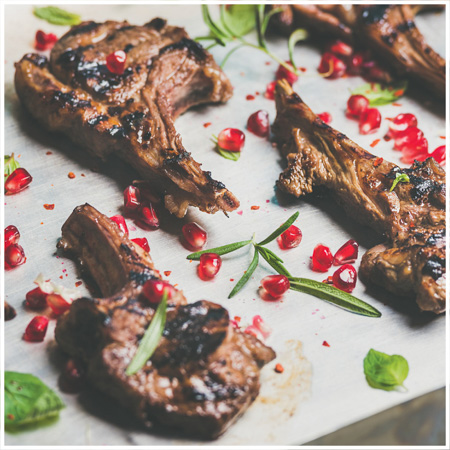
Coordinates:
[399,178]
[280,230]
[10,165]
[151,338]
[383,371]
[296,36]
[333,295]
[239,19]
[273,260]
[233,156]
[223,250]
[57,16]
[379,95]
[28,400]
[251,268]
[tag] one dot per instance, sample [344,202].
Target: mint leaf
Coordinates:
[238,19]
[10,165]
[384,371]
[399,178]
[233,156]
[28,400]
[379,95]
[57,16]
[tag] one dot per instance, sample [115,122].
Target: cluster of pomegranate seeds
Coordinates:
[120,221]
[209,266]
[347,254]
[36,329]
[115,62]
[44,41]
[283,73]
[325,117]
[194,235]
[142,242]
[258,328]
[369,118]
[14,253]
[258,123]
[331,66]
[138,204]
[345,278]
[322,258]
[275,285]
[17,181]
[231,140]
[153,290]
[290,238]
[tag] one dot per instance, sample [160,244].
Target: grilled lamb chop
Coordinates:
[204,372]
[411,217]
[131,115]
[389,30]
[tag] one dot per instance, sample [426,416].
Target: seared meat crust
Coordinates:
[204,372]
[131,115]
[412,217]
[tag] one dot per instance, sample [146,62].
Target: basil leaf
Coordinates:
[57,16]
[238,19]
[273,260]
[333,295]
[379,95]
[223,250]
[384,371]
[11,164]
[233,156]
[296,36]
[251,268]
[280,230]
[399,178]
[28,400]
[151,338]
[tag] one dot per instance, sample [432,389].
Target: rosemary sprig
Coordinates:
[237,21]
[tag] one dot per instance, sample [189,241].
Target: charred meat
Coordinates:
[388,30]
[130,114]
[9,312]
[204,373]
[411,217]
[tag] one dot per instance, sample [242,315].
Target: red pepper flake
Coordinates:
[49,206]
[250,97]
[78,283]
[411,225]
[325,344]
[83,175]
[396,104]
[377,162]
[328,280]
[399,93]
[237,318]
[442,137]
[374,143]
[257,93]
[268,63]
[49,153]
[231,279]
[167,273]
[61,277]
[42,223]
[387,137]
[254,208]
[207,124]
[71,175]
[279,368]
[302,69]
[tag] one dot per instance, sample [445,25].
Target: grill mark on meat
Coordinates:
[192,46]
[69,99]
[96,120]
[374,14]
[203,374]
[411,217]
[83,28]
[37,60]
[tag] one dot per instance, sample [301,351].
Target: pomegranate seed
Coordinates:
[325,117]
[231,140]
[120,221]
[17,181]
[209,266]
[270,90]
[285,74]
[416,151]
[14,256]
[355,64]
[44,41]
[58,303]
[115,62]
[36,299]
[340,48]
[401,122]
[331,66]
[131,198]
[345,278]
[408,139]
[275,285]
[36,329]
[439,155]
[264,329]
[356,105]
[12,235]
[322,259]
[251,329]
[291,238]
[194,235]
[73,376]
[147,216]
[258,123]
[370,121]
[279,368]
[347,254]
[143,243]
[153,290]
